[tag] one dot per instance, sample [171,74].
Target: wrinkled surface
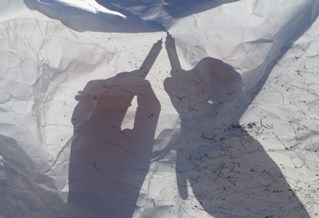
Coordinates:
[98,118]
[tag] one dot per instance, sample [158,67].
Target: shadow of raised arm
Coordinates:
[172,53]
[151,57]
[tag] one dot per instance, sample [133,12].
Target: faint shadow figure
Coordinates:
[228,171]
[107,164]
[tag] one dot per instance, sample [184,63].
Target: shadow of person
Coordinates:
[229,172]
[107,164]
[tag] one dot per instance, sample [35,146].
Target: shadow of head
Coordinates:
[223,82]
[204,89]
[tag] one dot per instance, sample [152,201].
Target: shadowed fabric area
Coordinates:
[174,8]
[141,16]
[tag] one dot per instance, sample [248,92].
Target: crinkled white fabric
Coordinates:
[51,53]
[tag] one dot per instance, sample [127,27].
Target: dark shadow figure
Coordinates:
[229,172]
[107,164]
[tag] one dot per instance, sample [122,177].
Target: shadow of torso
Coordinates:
[229,172]
[107,164]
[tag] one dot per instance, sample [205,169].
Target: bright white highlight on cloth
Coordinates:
[87,5]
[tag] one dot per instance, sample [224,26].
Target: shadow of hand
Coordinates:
[108,164]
